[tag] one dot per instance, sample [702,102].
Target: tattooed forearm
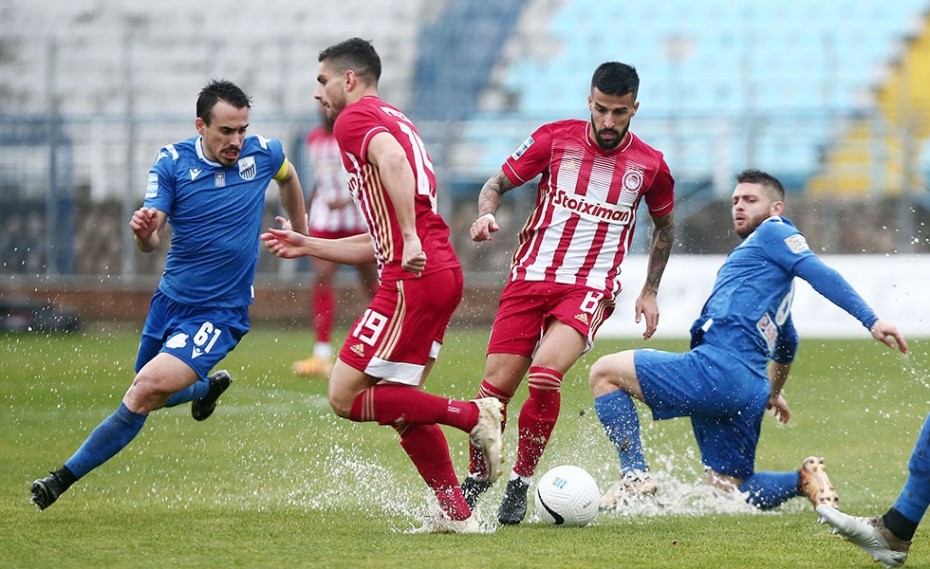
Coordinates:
[489,200]
[663,237]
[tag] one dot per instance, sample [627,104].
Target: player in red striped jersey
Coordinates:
[331,214]
[565,273]
[383,363]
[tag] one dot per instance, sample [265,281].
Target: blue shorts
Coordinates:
[724,397]
[198,336]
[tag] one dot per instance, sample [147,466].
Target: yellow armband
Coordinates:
[282,171]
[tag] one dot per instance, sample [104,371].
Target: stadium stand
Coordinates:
[766,83]
[89,89]
[877,152]
[455,52]
[79,56]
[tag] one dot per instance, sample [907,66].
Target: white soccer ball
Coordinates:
[567,496]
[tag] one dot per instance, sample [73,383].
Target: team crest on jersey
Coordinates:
[632,180]
[797,243]
[219,180]
[523,148]
[177,341]
[247,168]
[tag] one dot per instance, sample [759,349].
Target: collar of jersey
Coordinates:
[198,144]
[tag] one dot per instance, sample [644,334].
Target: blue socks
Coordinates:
[915,496]
[621,422]
[110,437]
[770,489]
[193,393]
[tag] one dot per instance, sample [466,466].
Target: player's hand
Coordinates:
[647,305]
[144,222]
[887,333]
[483,227]
[414,259]
[285,242]
[284,222]
[779,407]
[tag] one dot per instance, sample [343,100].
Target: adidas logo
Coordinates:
[582,317]
[359,350]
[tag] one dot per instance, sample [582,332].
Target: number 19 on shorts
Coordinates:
[370,327]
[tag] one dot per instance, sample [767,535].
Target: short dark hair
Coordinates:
[753,176]
[615,78]
[220,91]
[355,54]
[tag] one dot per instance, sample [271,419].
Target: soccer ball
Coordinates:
[567,496]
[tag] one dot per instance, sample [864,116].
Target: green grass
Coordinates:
[273,479]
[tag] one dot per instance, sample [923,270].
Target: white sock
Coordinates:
[526,479]
[322,350]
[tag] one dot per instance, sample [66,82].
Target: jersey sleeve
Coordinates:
[530,159]
[354,129]
[784,244]
[831,284]
[278,159]
[660,198]
[787,247]
[786,345]
[160,186]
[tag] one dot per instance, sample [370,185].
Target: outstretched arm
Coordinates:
[663,237]
[288,244]
[831,284]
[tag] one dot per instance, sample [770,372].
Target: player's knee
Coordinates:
[340,407]
[611,373]
[145,395]
[600,378]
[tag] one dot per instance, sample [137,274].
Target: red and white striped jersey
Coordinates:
[330,187]
[355,127]
[585,213]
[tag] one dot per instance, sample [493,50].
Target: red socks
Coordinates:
[392,404]
[537,418]
[427,448]
[324,312]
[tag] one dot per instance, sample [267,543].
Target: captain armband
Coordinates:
[282,171]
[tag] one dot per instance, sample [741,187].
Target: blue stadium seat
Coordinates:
[729,59]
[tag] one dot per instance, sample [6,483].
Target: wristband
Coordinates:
[489,214]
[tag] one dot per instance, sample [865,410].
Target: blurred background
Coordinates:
[831,97]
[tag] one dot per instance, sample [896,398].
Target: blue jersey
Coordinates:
[749,309]
[215,213]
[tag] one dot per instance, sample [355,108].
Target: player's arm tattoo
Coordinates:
[663,237]
[489,200]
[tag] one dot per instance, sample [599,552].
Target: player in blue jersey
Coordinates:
[887,538]
[742,346]
[211,190]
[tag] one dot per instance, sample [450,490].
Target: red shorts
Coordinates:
[403,326]
[526,307]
